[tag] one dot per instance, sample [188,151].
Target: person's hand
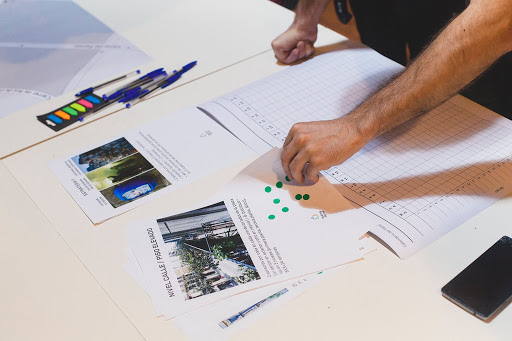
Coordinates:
[294,44]
[320,145]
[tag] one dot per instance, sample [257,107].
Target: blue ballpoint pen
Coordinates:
[142,80]
[139,84]
[143,88]
[178,74]
[149,78]
[99,86]
[164,83]
[129,94]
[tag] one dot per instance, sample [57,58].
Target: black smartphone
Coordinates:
[485,285]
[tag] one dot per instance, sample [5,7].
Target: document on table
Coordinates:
[48,48]
[224,318]
[229,316]
[259,230]
[126,171]
[422,179]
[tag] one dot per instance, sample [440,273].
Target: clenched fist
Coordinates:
[295,44]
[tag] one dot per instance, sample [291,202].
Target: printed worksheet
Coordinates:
[422,179]
[48,48]
[259,230]
[126,171]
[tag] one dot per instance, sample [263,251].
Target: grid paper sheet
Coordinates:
[419,180]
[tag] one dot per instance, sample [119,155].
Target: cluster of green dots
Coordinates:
[276,201]
[304,197]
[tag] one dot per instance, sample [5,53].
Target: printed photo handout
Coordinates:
[206,251]
[126,171]
[260,229]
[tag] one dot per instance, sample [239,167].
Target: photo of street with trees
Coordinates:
[206,250]
[119,171]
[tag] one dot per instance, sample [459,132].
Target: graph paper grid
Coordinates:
[421,179]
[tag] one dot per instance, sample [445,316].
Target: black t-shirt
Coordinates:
[388,26]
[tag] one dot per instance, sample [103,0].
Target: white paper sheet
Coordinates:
[422,179]
[255,232]
[48,48]
[126,171]
[220,320]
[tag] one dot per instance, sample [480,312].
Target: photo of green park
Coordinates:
[119,171]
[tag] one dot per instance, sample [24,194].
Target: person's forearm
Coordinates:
[469,44]
[308,13]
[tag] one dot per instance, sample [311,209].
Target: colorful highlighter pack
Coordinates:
[128,94]
[70,113]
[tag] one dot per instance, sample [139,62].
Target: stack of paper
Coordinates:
[261,230]
[415,183]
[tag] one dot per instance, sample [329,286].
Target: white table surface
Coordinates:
[382,297]
[215,33]
[46,293]
[101,248]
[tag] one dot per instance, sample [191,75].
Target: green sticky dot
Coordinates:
[306,197]
[279,184]
[320,272]
[285,209]
[298,197]
[268,189]
[287,178]
[271,217]
[277,201]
